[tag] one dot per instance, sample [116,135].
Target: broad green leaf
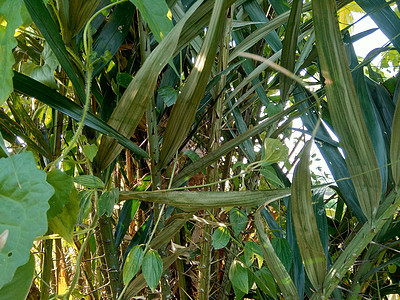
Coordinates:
[220,238]
[369,110]
[344,108]
[18,287]
[85,203]
[157,15]
[125,218]
[11,13]
[132,264]
[139,282]
[168,94]
[107,201]
[62,184]
[65,222]
[24,196]
[252,251]
[238,219]
[192,155]
[332,155]
[270,175]
[185,109]
[90,151]
[274,264]
[290,46]
[134,102]
[124,79]
[190,201]
[89,181]
[109,40]
[304,222]
[152,268]
[45,73]
[395,147]
[265,281]
[238,276]
[275,150]
[283,251]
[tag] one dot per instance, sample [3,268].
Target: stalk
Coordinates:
[110,255]
[47,267]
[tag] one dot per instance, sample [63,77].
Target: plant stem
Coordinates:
[47,267]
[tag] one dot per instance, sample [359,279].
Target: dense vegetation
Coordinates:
[162,149]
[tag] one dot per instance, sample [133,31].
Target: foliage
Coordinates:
[187,149]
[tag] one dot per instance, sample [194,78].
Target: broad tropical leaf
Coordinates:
[24,196]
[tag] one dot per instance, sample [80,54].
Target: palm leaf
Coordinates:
[345,109]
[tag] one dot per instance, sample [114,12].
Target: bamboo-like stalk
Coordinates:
[110,255]
[47,266]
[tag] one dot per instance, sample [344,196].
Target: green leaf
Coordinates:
[152,268]
[45,73]
[89,181]
[168,94]
[132,264]
[304,222]
[270,175]
[90,151]
[107,201]
[18,287]
[274,264]
[11,12]
[220,237]
[290,46]
[124,79]
[344,108]
[112,35]
[85,202]
[238,276]
[265,281]
[284,252]
[24,196]
[157,15]
[190,201]
[395,147]
[192,155]
[252,251]
[62,184]
[275,150]
[65,222]
[238,219]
